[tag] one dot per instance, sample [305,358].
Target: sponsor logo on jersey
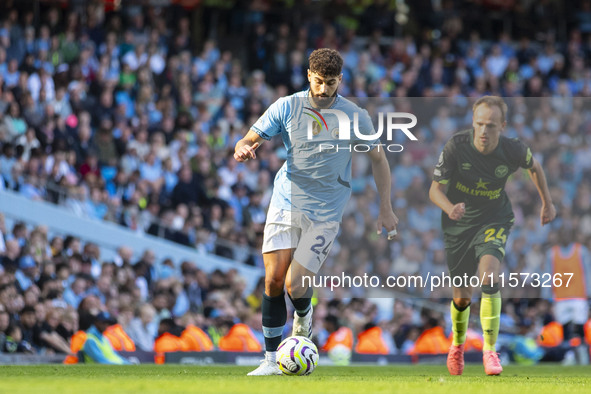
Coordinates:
[491,194]
[481,184]
[501,171]
[466,166]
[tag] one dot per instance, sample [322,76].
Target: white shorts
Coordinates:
[311,240]
[575,310]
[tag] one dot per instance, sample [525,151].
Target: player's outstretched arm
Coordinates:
[246,147]
[438,197]
[548,212]
[381,175]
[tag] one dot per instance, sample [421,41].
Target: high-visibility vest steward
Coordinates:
[196,340]
[76,344]
[119,338]
[370,341]
[431,341]
[240,338]
[552,335]
[342,336]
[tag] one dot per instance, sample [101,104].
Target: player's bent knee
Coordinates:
[299,291]
[296,288]
[462,302]
[487,288]
[274,286]
[299,281]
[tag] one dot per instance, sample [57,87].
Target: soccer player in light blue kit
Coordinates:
[310,192]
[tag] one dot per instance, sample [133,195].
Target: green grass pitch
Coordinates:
[146,379]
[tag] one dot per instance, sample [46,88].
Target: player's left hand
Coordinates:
[547,213]
[388,220]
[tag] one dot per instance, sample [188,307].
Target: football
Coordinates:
[297,356]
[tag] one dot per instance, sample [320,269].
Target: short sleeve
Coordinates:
[271,122]
[446,164]
[521,154]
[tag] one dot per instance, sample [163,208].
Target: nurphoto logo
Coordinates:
[387,124]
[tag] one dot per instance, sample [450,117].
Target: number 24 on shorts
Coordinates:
[316,247]
[490,235]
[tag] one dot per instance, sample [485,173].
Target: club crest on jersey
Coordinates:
[501,171]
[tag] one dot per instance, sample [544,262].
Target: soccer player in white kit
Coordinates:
[310,193]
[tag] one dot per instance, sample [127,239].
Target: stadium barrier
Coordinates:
[139,356]
[252,359]
[244,358]
[241,358]
[30,359]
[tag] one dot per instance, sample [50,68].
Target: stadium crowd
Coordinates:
[132,117]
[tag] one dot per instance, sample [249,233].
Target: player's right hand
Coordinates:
[246,152]
[389,221]
[458,211]
[547,214]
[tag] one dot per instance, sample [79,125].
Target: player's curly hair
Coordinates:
[493,101]
[326,62]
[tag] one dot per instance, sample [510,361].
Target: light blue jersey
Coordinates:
[315,179]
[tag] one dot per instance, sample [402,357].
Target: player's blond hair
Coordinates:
[492,101]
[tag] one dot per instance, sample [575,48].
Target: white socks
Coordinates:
[271,357]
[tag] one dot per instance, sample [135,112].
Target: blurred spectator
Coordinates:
[143,328]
